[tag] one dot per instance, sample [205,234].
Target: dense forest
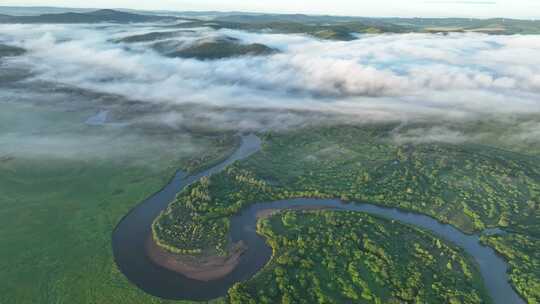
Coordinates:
[350,257]
[470,186]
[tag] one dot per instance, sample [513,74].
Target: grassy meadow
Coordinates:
[58,209]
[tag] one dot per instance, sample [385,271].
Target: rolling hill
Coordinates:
[105,15]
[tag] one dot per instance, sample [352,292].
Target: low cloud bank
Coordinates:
[377,78]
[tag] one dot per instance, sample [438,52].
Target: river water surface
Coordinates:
[132,232]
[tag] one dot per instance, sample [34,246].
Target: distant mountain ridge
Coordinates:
[40,10]
[321,26]
[98,16]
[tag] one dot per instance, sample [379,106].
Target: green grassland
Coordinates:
[58,210]
[351,257]
[471,186]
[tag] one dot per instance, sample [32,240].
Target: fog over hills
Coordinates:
[100,108]
[415,77]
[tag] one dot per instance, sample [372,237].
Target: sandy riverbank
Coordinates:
[206,268]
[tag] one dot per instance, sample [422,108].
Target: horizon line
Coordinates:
[258,12]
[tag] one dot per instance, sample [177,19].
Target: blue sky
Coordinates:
[402,8]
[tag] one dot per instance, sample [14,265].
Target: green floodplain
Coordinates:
[59,208]
[471,186]
[65,242]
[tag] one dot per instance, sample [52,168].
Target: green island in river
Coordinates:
[339,257]
[472,187]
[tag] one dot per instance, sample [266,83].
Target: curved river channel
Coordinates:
[131,234]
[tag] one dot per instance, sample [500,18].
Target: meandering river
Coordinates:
[131,234]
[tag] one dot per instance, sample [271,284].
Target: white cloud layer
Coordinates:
[405,77]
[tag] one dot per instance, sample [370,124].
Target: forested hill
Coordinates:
[397,25]
[98,16]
